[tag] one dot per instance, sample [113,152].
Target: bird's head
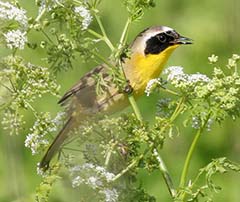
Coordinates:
[158,39]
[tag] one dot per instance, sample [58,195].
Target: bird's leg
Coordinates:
[128,88]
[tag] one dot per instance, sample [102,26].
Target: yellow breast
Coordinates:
[139,69]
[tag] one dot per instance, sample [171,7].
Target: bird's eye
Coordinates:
[162,38]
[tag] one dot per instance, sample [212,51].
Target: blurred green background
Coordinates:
[215,28]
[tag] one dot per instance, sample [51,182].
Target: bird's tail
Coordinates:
[56,144]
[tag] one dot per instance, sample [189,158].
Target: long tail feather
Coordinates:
[56,144]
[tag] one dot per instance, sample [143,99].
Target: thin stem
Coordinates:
[105,38]
[101,37]
[177,109]
[95,34]
[40,15]
[45,34]
[166,176]
[124,33]
[131,165]
[109,153]
[188,158]
[135,107]
[103,59]
[5,86]
[32,109]
[169,91]
[190,154]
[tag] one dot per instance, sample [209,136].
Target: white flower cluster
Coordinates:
[96,177]
[197,123]
[35,141]
[111,195]
[15,39]
[10,12]
[151,85]
[44,125]
[85,15]
[178,78]
[12,121]
[176,73]
[48,5]
[232,62]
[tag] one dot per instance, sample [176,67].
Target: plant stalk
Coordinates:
[135,107]
[166,176]
[190,153]
[131,165]
[188,158]
[124,33]
[105,38]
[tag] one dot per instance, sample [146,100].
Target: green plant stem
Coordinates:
[177,109]
[102,59]
[190,153]
[166,176]
[188,158]
[40,15]
[169,91]
[99,36]
[109,153]
[124,33]
[135,107]
[131,165]
[105,38]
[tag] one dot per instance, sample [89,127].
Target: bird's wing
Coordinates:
[86,81]
[82,99]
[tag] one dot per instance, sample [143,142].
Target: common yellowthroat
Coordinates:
[148,53]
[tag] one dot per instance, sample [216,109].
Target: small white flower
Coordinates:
[175,72]
[10,12]
[85,14]
[196,122]
[155,153]
[209,124]
[88,166]
[89,174]
[77,181]
[177,77]
[40,170]
[213,59]
[15,39]
[109,176]
[151,84]
[235,56]
[111,195]
[100,169]
[34,142]
[58,120]
[94,182]
[194,78]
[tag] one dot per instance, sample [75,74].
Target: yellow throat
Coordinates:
[140,69]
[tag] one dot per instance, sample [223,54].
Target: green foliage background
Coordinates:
[214,27]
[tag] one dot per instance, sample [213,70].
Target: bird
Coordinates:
[149,52]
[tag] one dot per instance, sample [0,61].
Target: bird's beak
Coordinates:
[182,40]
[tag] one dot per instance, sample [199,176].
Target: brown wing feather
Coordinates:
[85,81]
